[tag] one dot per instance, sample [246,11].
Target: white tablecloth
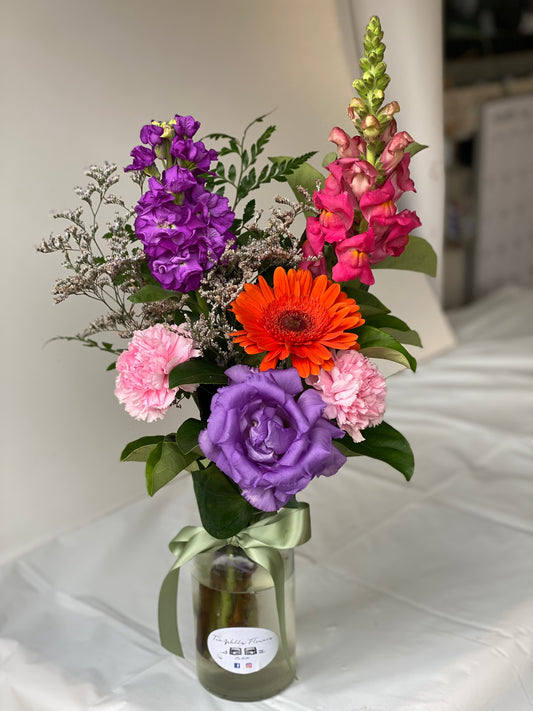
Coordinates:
[410,597]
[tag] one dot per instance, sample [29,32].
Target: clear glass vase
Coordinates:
[239,655]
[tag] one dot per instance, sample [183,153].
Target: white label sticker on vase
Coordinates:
[242,650]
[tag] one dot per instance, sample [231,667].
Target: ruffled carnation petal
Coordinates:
[143,370]
[354,392]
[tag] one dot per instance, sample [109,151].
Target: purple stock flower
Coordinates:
[271,443]
[151,133]
[183,226]
[194,152]
[182,241]
[142,158]
[185,126]
[179,262]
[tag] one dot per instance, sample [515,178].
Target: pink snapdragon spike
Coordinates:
[316,237]
[401,179]
[392,234]
[394,151]
[353,256]
[337,212]
[354,392]
[378,202]
[143,370]
[359,174]
[347,147]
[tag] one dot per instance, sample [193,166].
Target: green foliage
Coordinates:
[418,256]
[187,435]
[243,175]
[90,343]
[224,512]
[152,292]
[140,449]
[164,463]
[369,305]
[197,371]
[414,148]
[395,327]
[329,158]
[382,442]
[376,343]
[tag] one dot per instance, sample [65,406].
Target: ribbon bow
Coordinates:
[262,542]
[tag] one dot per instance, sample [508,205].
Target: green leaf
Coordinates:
[396,328]
[196,371]
[410,337]
[224,512]
[375,343]
[152,292]
[217,136]
[329,158]
[388,321]
[369,304]
[187,435]
[418,256]
[414,148]
[164,463]
[261,142]
[139,449]
[385,443]
[248,212]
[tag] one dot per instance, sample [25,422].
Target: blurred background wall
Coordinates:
[488,123]
[78,81]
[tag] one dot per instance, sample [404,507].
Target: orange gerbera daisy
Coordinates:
[300,317]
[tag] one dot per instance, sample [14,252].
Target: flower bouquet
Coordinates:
[269,329]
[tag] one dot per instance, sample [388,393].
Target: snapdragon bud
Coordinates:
[391,108]
[357,109]
[370,127]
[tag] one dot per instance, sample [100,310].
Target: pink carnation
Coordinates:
[354,392]
[142,380]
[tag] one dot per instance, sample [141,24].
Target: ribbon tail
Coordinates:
[168,613]
[271,560]
[190,541]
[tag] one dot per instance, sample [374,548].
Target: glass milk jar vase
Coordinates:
[239,647]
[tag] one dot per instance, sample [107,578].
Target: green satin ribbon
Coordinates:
[262,542]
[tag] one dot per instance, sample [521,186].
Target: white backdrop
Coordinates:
[78,81]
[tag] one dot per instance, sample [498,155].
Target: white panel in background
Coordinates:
[503,252]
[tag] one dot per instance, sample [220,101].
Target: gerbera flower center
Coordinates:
[294,321]
[300,317]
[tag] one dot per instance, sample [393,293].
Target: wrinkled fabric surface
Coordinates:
[410,597]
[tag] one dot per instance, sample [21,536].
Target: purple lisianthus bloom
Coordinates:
[266,439]
[142,158]
[152,134]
